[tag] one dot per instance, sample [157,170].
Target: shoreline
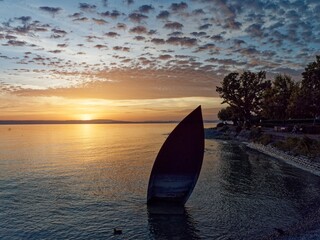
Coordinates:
[302,162]
[310,225]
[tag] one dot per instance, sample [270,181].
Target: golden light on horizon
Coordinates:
[61,108]
[86,117]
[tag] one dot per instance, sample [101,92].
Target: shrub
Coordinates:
[300,146]
[255,133]
[265,139]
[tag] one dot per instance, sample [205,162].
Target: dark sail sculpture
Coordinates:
[178,164]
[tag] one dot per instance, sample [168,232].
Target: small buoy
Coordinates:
[117,231]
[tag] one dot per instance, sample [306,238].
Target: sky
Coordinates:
[142,60]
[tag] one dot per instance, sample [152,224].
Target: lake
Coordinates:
[81,181]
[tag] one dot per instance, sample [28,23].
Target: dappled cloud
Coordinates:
[125,50]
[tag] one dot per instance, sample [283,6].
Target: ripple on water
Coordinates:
[80,183]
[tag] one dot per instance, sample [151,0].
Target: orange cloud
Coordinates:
[134,84]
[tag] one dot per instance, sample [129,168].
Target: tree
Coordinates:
[225,114]
[277,98]
[296,103]
[244,93]
[228,114]
[310,88]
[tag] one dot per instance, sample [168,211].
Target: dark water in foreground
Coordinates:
[81,181]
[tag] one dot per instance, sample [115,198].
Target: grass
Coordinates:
[299,146]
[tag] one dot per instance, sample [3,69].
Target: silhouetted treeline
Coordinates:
[251,96]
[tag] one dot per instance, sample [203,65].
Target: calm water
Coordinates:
[81,181]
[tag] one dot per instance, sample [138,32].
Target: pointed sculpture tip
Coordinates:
[198,108]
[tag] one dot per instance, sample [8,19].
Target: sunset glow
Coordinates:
[142,60]
[86,117]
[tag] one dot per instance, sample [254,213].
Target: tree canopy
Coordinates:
[277,98]
[244,92]
[250,94]
[310,88]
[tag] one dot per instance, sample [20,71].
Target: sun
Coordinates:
[86,117]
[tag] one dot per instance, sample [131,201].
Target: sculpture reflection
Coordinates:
[172,226]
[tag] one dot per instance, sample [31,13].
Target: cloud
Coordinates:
[62,45]
[249,51]
[152,32]
[163,15]
[178,6]
[129,2]
[99,21]
[198,11]
[264,32]
[217,38]
[158,41]
[226,61]
[198,34]
[292,15]
[16,43]
[101,46]
[232,24]
[91,38]
[183,56]
[24,19]
[59,31]
[81,19]
[137,17]
[76,15]
[119,48]
[164,57]
[173,25]
[112,34]
[296,73]
[269,53]
[87,7]
[208,46]
[238,42]
[146,8]
[114,14]
[175,34]
[5,57]
[56,51]
[139,38]
[121,26]
[182,41]
[52,10]
[205,26]
[139,30]
[133,83]
[255,30]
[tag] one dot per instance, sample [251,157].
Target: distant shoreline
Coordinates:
[42,122]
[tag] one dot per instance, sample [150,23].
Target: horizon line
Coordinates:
[93,121]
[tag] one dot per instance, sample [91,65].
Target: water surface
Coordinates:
[81,181]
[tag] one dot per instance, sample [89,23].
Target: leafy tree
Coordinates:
[296,108]
[244,93]
[225,114]
[228,114]
[310,88]
[277,98]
